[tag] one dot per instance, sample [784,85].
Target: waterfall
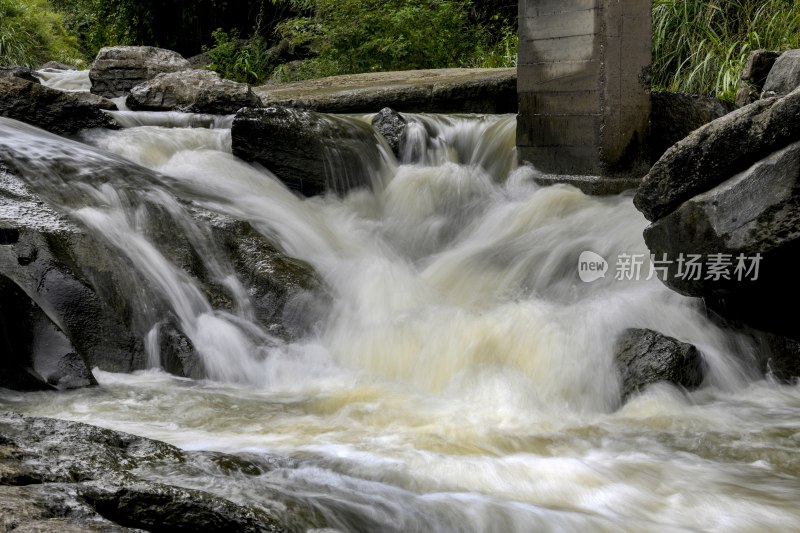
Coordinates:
[461,376]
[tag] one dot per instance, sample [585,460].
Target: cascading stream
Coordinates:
[462,378]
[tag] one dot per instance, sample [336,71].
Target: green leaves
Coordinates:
[32,33]
[701,46]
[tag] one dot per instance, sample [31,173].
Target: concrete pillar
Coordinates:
[583,82]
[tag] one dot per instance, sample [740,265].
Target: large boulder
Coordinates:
[192,91]
[310,152]
[673,116]
[644,356]
[118,69]
[717,151]
[784,77]
[753,220]
[92,292]
[725,206]
[452,90]
[56,111]
[59,476]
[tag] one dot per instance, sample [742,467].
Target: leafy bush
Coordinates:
[701,46]
[351,36]
[32,33]
[236,59]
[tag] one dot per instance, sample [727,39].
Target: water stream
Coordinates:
[462,378]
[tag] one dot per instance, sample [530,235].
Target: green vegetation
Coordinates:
[701,46]
[32,33]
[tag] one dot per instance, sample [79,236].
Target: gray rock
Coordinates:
[55,65]
[24,73]
[784,77]
[644,356]
[392,125]
[754,75]
[56,111]
[67,476]
[118,69]
[455,90]
[759,63]
[673,116]
[310,152]
[92,294]
[192,91]
[754,212]
[717,151]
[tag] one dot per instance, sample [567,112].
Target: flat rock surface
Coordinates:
[479,90]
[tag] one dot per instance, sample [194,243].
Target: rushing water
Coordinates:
[462,378]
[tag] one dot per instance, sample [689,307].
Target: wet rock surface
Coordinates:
[86,300]
[118,69]
[644,356]
[192,91]
[67,476]
[310,152]
[392,125]
[55,111]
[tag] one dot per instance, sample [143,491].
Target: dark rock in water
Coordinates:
[392,125]
[24,73]
[16,340]
[192,91]
[673,116]
[118,69]
[754,76]
[784,77]
[644,356]
[717,151]
[753,220]
[56,111]
[310,152]
[67,476]
[101,306]
[35,354]
[285,292]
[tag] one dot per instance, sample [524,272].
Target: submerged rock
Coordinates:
[67,476]
[118,69]
[644,356]
[192,91]
[55,111]
[310,152]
